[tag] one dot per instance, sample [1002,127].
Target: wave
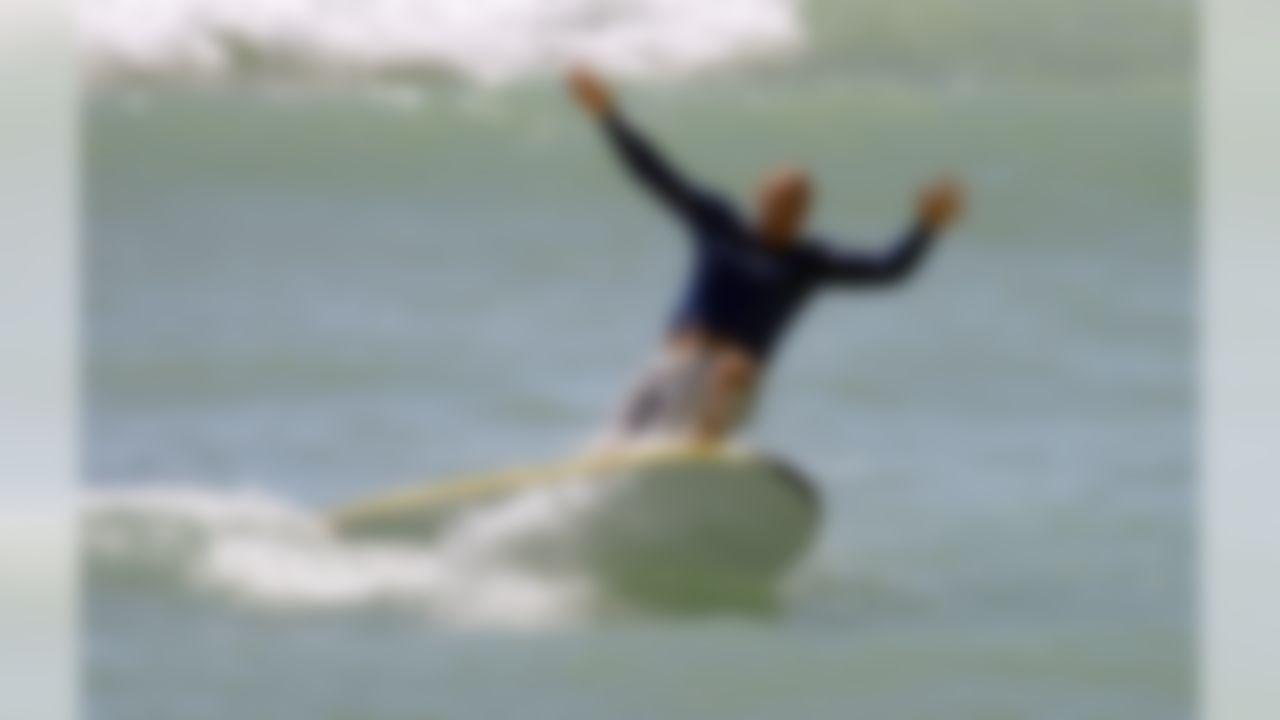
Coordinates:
[491,42]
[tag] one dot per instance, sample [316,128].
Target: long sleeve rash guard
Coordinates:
[741,290]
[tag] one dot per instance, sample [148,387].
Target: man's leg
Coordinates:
[728,396]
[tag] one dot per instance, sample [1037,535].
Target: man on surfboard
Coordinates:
[750,278]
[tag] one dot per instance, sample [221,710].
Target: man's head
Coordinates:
[783,205]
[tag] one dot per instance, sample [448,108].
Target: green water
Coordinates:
[311,298]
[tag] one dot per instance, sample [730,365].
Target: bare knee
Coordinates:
[735,370]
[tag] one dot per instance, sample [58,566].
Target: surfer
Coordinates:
[751,276]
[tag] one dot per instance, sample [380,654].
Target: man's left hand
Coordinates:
[941,204]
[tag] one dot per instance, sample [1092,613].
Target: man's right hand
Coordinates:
[590,91]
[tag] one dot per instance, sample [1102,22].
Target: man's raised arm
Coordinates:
[644,161]
[939,206]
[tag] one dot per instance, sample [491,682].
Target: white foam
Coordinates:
[487,41]
[260,550]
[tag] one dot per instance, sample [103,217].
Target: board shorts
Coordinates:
[671,397]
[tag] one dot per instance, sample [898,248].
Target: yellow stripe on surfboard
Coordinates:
[463,488]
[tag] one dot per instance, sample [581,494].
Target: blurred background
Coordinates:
[333,247]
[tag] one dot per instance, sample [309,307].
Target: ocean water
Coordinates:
[335,247]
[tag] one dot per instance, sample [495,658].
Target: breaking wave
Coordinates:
[491,42]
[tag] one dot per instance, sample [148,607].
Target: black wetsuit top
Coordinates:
[742,291]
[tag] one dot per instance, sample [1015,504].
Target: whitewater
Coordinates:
[491,42]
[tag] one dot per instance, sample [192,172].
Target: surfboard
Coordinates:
[644,519]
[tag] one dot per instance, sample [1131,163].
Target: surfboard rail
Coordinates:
[472,487]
